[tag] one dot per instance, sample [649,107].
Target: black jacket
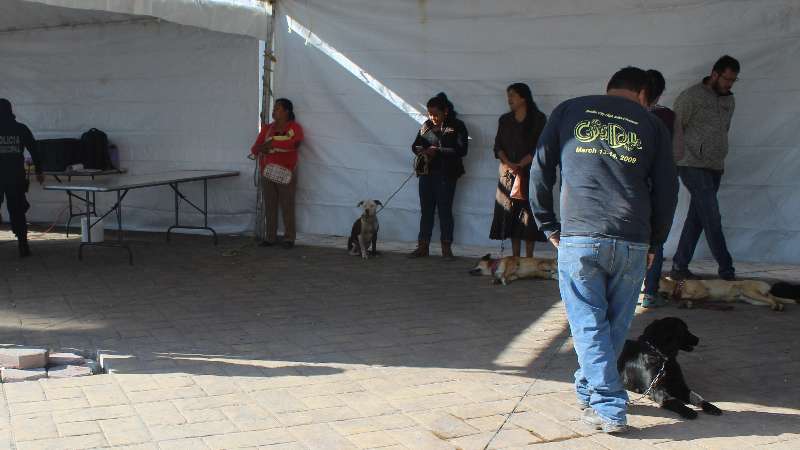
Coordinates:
[14,139]
[451,139]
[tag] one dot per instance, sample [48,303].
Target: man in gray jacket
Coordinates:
[704,112]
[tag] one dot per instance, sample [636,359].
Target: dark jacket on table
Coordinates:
[451,139]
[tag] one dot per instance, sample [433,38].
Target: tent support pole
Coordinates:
[266,101]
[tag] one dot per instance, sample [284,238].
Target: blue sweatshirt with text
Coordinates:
[618,178]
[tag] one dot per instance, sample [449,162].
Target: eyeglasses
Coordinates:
[729,79]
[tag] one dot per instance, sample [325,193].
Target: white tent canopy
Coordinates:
[245,17]
[169,96]
[175,85]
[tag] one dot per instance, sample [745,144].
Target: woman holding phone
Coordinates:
[440,145]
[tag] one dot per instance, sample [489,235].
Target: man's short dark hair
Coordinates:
[629,78]
[726,62]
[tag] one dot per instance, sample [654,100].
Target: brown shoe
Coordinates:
[420,251]
[447,250]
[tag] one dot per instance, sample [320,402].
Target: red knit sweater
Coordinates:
[288,140]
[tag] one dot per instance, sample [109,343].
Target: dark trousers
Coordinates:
[17,206]
[703,216]
[654,272]
[436,192]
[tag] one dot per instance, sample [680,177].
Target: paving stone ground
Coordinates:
[238,346]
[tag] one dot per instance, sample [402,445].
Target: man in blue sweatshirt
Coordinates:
[618,194]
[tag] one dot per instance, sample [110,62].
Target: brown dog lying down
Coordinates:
[510,268]
[754,292]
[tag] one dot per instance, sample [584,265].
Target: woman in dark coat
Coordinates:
[517,134]
[440,144]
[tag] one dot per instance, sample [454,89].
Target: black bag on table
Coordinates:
[57,154]
[94,150]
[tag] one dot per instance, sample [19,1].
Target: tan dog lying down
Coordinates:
[751,291]
[510,268]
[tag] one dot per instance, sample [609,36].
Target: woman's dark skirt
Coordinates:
[513,219]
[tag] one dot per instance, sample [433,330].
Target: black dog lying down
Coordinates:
[642,360]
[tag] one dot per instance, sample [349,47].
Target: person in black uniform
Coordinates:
[14,139]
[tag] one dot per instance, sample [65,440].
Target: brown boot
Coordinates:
[447,250]
[421,250]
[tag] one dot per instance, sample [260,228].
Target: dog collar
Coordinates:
[654,349]
[677,293]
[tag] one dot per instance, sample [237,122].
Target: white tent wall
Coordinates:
[169,96]
[358,145]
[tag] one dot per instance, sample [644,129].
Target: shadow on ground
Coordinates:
[244,311]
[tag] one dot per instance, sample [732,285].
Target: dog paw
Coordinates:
[689,414]
[777,307]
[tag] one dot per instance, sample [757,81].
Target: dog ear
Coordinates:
[360,204]
[487,257]
[378,202]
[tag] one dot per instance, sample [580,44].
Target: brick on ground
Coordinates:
[69,371]
[65,359]
[16,375]
[23,358]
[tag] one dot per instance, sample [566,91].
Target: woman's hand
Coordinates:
[266,147]
[430,151]
[512,167]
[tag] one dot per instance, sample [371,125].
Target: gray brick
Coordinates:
[23,358]
[17,375]
[69,371]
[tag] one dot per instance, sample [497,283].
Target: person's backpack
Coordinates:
[94,150]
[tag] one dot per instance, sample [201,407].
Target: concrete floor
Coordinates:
[240,346]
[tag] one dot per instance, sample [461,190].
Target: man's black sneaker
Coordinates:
[24,250]
[680,275]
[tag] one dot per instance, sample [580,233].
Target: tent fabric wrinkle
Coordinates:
[244,17]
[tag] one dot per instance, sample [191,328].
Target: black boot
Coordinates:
[24,250]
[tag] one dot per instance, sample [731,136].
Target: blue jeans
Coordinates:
[703,216]
[654,272]
[600,280]
[436,192]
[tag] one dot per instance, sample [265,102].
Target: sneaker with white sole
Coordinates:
[590,417]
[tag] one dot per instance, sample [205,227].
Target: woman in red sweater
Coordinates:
[277,144]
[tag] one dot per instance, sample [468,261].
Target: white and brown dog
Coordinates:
[510,268]
[365,230]
[755,292]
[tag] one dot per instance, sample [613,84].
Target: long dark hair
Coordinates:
[6,113]
[287,105]
[531,108]
[442,103]
[655,85]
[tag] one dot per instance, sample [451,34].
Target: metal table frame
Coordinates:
[86,200]
[171,179]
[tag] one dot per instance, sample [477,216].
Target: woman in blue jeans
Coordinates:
[656,87]
[439,146]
